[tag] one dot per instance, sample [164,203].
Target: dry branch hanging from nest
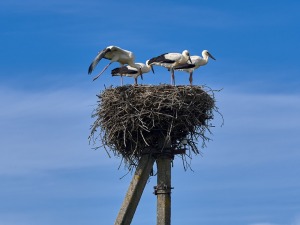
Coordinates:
[130,119]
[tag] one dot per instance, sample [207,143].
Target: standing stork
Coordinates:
[171,60]
[130,71]
[114,54]
[197,61]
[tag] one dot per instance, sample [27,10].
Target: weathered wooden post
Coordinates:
[135,190]
[145,123]
[163,190]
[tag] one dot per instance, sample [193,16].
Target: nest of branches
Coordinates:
[134,120]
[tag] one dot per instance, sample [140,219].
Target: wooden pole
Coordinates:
[135,190]
[163,190]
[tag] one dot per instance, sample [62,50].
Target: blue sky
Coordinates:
[248,174]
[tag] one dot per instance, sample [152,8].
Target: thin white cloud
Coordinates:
[48,103]
[264,111]
[16,219]
[49,130]
[65,6]
[259,128]
[188,15]
[46,130]
[295,221]
[264,224]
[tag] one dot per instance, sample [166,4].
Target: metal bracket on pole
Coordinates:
[162,189]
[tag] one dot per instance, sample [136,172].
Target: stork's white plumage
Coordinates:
[197,61]
[130,71]
[171,60]
[114,54]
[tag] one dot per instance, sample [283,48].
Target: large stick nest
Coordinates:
[132,120]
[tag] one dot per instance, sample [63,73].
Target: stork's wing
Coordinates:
[184,66]
[124,70]
[118,49]
[160,59]
[97,59]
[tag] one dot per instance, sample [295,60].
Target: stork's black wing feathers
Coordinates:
[97,59]
[123,71]
[160,59]
[184,66]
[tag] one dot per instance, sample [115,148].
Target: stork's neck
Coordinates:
[134,65]
[146,68]
[184,59]
[204,59]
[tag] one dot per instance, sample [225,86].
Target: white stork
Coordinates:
[171,60]
[197,61]
[114,54]
[130,71]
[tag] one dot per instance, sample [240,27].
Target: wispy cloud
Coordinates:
[295,221]
[264,224]
[50,129]
[43,104]
[258,129]
[45,130]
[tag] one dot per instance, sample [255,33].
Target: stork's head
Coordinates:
[186,54]
[206,53]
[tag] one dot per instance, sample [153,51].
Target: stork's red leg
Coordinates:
[102,71]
